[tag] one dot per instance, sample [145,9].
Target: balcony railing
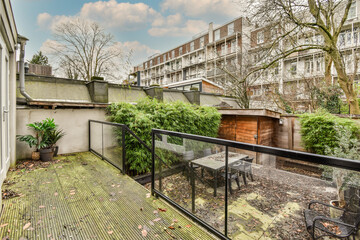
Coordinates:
[240,190]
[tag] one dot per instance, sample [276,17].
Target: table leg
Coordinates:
[215,183]
[192,188]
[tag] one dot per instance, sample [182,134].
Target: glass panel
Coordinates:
[192,174]
[112,136]
[96,137]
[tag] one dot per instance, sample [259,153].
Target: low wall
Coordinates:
[73,121]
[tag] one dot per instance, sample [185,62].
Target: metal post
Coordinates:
[226,188]
[89,135]
[102,141]
[123,150]
[192,188]
[153,162]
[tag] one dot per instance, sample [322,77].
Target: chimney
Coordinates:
[211,32]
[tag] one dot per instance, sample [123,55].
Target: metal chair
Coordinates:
[342,227]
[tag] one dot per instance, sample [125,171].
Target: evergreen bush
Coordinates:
[149,114]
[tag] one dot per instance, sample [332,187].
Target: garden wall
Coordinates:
[73,121]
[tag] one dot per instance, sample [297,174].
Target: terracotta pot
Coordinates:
[35,156]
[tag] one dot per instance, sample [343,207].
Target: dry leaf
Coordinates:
[144,233]
[155,212]
[42,206]
[141,208]
[49,235]
[171,227]
[148,195]
[3,225]
[175,220]
[188,226]
[139,227]
[110,232]
[162,209]
[55,194]
[26,226]
[72,193]
[156,219]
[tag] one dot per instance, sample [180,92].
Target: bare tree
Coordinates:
[84,50]
[294,20]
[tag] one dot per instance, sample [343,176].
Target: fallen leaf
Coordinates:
[3,225]
[144,233]
[42,206]
[55,194]
[110,232]
[155,212]
[188,226]
[148,195]
[171,227]
[151,223]
[156,219]
[139,227]
[141,208]
[72,193]
[26,226]
[49,235]
[162,209]
[59,167]
[175,220]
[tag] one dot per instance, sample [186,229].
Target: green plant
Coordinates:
[149,114]
[319,130]
[54,136]
[42,132]
[329,98]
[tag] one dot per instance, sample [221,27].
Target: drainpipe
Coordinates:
[22,40]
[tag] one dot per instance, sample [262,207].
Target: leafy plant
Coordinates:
[319,130]
[46,134]
[39,59]
[149,114]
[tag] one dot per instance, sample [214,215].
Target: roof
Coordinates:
[251,112]
[191,81]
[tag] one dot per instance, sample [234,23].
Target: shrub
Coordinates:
[321,130]
[149,114]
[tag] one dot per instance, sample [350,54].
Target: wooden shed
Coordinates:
[256,126]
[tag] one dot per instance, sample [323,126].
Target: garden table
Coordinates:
[214,163]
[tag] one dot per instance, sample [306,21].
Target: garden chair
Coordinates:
[342,227]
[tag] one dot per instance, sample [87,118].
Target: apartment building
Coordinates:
[198,58]
[239,45]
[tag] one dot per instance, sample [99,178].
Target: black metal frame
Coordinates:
[304,156]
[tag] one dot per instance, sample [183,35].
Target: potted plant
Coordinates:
[54,136]
[45,138]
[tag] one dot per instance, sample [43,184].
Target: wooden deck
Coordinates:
[83,197]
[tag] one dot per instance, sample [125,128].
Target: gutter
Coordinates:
[22,40]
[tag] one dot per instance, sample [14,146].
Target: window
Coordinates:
[293,68]
[355,35]
[348,38]
[217,34]
[260,37]
[158,60]
[180,51]
[309,65]
[276,69]
[172,53]
[319,64]
[146,65]
[342,39]
[273,33]
[230,28]
[192,46]
[233,46]
[151,63]
[352,11]
[223,49]
[202,42]
[164,56]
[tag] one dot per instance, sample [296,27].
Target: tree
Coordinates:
[39,59]
[295,19]
[84,50]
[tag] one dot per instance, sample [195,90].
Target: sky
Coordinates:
[147,27]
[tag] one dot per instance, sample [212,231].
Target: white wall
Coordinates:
[73,121]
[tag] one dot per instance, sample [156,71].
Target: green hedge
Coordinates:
[322,130]
[150,113]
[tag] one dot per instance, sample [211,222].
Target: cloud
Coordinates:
[170,20]
[138,49]
[190,28]
[122,15]
[50,47]
[203,8]
[44,20]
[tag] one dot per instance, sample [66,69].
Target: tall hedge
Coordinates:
[322,130]
[150,113]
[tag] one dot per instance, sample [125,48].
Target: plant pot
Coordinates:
[35,156]
[56,149]
[46,154]
[335,213]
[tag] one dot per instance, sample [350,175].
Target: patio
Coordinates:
[79,196]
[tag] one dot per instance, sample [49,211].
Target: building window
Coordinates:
[217,34]
[164,56]
[172,53]
[319,64]
[230,28]
[273,33]
[342,39]
[233,46]
[180,51]
[192,46]
[202,42]
[352,11]
[158,60]
[223,49]
[309,65]
[146,65]
[293,68]
[276,69]
[348,37]
[151,63]
[260,37]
